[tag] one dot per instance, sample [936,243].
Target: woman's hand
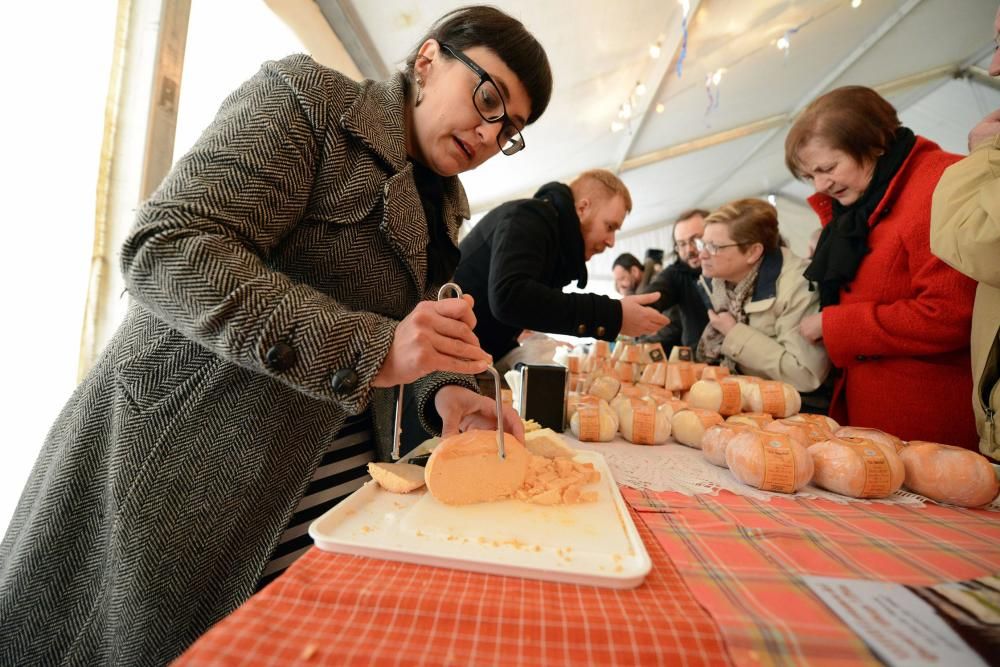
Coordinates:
[811,327]
[435,336]
[462,409]
[722,322]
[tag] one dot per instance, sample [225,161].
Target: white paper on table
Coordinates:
[895,623]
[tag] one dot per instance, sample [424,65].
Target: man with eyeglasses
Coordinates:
[517,259]
[681,284]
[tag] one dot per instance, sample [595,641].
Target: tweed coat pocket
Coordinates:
[167,366]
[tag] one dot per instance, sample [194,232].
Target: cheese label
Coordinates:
[878,475]
[643,422]
[732,398]
[779,466]
[590,421]
[772,398]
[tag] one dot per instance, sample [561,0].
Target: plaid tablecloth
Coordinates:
[337,609]
[742,558]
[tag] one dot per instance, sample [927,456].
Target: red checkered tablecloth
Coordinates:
[337,609]
[742,559]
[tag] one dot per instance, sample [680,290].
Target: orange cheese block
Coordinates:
[756,419]
[594,422]
[805,433]
[655,374]
[824,422]
[465,468]
[717,439]
[680,375]
[775,398]
[715,373]
[856,467]
[871,434]
[949,474]
[604,387]
[644,422]
[769,461]
[689,425]
[722,397]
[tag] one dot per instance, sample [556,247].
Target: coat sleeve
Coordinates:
[965,215]
[518,296]
[664,282]
[786,356]
[196,254]
[937,319]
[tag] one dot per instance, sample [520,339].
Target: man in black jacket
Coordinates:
[516,261]
[681,283]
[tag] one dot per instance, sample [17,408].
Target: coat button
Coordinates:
[600,331]
[344,381]
[861,357]
[280,357]
[582,329]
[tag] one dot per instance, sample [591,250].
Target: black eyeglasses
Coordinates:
[489,103]
[711,248]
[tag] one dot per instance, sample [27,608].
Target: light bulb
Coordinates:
[659,107]
[640,89]
[654,51]
[783,43]
[855,4]
[772,200]
[617,126]
[717,77]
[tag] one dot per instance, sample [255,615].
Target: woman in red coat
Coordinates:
[895,319]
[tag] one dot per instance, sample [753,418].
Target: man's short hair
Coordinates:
[627,261]
[604,180]
[690,213]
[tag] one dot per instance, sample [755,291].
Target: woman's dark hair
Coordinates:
[852,119]
[750,221]
[489,27]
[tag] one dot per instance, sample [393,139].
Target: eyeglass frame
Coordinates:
[484,77]
[703,246]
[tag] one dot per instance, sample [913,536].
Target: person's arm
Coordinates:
[664,282]
[196,256]
[965,215]
[787,356]
[935,320]
[522,247]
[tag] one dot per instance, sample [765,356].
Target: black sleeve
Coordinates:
[665,282]
[523,244]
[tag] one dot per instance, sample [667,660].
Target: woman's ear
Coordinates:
[754,253]
[426,54]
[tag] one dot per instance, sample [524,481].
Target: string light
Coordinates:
[772,200]
[855,4]
[640,88]
[783,43]
[654,50]
[617,126]
[659,107]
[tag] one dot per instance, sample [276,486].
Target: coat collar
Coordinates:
[823,204]
[376,118]
[560,197]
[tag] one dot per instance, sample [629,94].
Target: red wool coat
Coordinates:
[901,332]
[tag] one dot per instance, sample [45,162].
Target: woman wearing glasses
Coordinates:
[895,319]
[282,281]
[758,298]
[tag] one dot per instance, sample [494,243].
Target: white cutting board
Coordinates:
[591,543]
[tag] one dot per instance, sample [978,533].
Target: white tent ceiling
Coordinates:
[926,56]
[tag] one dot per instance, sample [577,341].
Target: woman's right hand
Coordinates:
[435,336]
[638,319]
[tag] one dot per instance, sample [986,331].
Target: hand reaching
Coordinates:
[638,319]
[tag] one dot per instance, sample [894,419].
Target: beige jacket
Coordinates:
[770,344]
[965,233]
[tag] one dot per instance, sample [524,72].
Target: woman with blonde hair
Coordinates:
[895,319]
[759,296]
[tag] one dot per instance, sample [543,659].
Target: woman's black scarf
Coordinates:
[442,255]
[843,243]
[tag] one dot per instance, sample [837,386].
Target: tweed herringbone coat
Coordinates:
[282,249]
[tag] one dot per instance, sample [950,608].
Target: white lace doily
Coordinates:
[674,467]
